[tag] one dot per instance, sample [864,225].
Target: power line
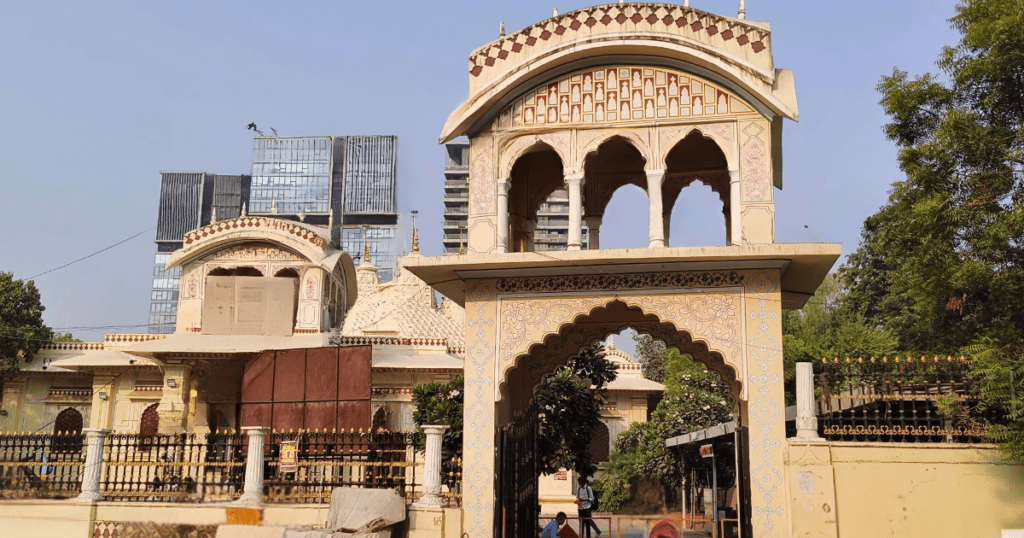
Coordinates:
[91,255]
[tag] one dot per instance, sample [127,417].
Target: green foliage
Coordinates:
[651,354]
[22,332]
[941,265]
[441,404]
[614,492]
[1000,370]
[571,411]
[694,399]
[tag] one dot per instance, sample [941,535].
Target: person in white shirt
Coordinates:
[585,500]
[551,529]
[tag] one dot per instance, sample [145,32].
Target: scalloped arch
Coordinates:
[722,134]
[629,136]
[519,146]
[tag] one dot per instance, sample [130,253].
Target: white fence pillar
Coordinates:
[432,468]
[92,470]
[252,492]
[806,417]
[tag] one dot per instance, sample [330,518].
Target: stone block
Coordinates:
[244,516]
[248,531]
[368,511]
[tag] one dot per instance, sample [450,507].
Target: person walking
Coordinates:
[585,500]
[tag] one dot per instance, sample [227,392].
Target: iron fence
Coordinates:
[904,400]
[44,466]
[174,467]
[326,460]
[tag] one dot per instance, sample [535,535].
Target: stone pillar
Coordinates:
[13,403]
[806,418]
[656,228]
[574,183]
[252,492]
[502,239]
[593,232]
[734,227]
[173,408]
[92,470]
[432,468]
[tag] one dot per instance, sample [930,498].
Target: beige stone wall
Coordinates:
[882,489]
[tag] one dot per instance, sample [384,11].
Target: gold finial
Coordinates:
[462,242]
[366,246]
[415,239]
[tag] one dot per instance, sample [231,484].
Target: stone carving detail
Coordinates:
[757,182]
[478,440]
[525,321]
[481,184]
[764,385]
[191,287]
[620,282]
[253,252]
[148,529]
[265,223]
[309,292]
[559,141]
[711,318]
[616,94]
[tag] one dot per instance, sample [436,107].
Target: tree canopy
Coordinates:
[941,265]
[22,331]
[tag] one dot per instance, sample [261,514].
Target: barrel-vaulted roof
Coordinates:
[735,52]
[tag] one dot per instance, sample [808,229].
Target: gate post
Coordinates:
[806,418]
[432,468]
[92,470]
[252,491]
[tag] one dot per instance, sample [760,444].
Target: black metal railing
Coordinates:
[174,467]
[326,460]
[902,400]
[43,466]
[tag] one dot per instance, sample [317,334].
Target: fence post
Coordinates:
[252,491]
[432,468]
[806,416]
[92,469]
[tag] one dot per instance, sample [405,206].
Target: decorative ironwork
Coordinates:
[519,477]
[41,466]
[903,400]
[326,460]
[620,282]
[174,468]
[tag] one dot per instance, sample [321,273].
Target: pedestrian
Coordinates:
[585,500]
[551,529]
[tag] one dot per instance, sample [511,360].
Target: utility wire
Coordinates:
[91,255]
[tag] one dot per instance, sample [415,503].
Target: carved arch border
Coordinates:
[723,134]
[514,148]
[589,140]
[554,315]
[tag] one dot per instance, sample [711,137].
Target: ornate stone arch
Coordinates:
[588,141]
[515,148]
[723,134]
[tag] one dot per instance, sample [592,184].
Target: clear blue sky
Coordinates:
[97,97]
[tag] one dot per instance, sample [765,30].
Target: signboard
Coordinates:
[706,451]
[288,462]
[561,475]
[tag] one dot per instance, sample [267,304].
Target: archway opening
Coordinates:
[535,176]
[696,158]
[698,217]
[615,164]
[66,429]
[626,219]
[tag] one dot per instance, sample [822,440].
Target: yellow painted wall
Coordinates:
[882,489]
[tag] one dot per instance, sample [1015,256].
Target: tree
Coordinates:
[441,404]
[941,265]
[694,399]
[651,354]
[22,331]
[569,402]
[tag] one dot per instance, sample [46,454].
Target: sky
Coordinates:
[96,98]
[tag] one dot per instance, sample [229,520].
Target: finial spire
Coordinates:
[366,246]
[462,242]
[245,213]
[501,29]
[742,13]
[686,3]
[415,239]
[273,206]
[213,214]
[554,12]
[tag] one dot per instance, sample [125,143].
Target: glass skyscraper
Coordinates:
[345,183]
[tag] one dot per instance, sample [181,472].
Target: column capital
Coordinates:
[574,178]
[96,432]
[653,173]
[435,429]
[254,431]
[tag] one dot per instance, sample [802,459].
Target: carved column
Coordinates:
[252,492]
[656,228]
[806,418]
[432,468]
[92,469]
[593,232]
[574,183]
[733,227]
[502,239]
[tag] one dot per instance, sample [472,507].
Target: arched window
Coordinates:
[149,425]
[600,443]
[380,420]
[66,430]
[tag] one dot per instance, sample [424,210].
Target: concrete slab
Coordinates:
[364,510]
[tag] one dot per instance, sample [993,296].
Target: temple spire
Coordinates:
[366,247]
[415,239]
[742,13]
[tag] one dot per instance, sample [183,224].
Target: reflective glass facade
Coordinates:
[383,248]
[293,173]
[164,299]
